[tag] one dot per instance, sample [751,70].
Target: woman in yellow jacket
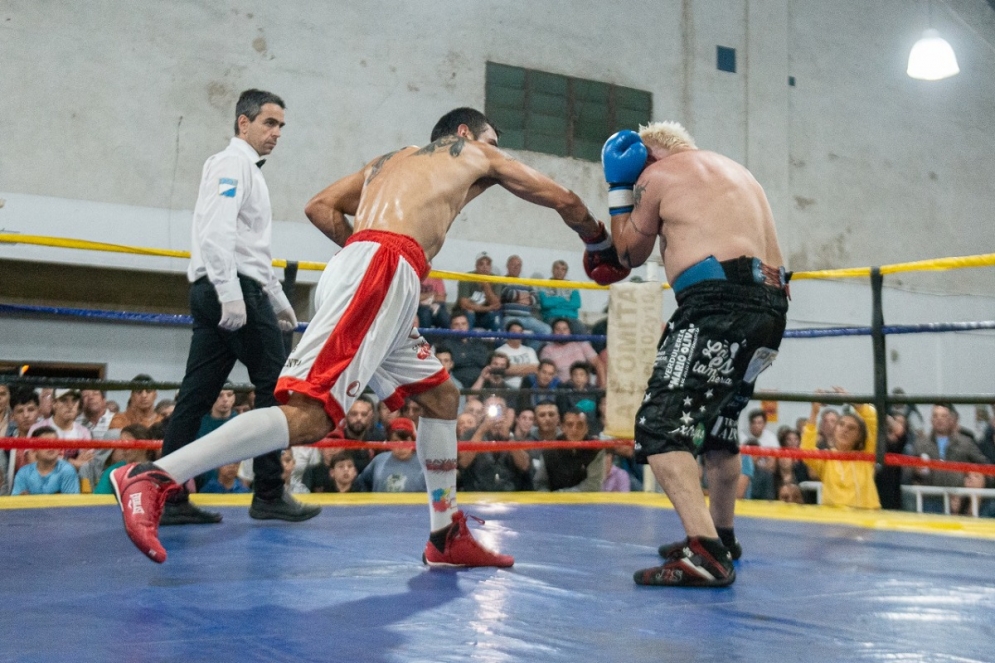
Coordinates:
[846,483]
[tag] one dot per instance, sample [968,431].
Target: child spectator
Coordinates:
[49,474]
[399,471]
[226,481]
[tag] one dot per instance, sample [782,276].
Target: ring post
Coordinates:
[289,286]
[880,364]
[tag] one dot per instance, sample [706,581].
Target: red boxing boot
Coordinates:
[141,490]
[462,550]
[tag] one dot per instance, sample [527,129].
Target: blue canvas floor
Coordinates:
[349,586]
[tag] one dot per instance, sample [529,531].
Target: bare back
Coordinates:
[704,204]
[419,191]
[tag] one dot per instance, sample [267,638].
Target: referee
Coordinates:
[239,308]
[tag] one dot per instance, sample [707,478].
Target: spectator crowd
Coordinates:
[514,390]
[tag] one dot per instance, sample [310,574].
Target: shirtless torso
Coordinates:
[418,192]
[699,204]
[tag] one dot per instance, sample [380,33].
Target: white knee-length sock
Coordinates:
[246,436]
[436,446]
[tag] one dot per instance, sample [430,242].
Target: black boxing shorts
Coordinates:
[723,334]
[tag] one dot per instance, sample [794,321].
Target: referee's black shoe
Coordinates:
[284,507]
[185,512]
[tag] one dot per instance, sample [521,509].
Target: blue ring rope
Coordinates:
[181,320]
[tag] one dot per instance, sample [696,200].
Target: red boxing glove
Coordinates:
[601,259]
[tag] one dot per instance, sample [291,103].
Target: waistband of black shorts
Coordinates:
[745,269]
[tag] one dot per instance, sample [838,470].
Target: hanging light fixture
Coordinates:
[932,58]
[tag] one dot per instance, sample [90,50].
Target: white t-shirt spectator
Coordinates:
[516,356]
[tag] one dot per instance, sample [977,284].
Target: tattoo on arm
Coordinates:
[637,194]
[378,165]
[454,143]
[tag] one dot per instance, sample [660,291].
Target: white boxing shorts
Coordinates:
[363,332]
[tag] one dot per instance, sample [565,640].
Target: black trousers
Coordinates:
[213,352]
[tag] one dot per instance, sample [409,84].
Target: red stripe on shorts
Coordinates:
[341,346]
[396,400]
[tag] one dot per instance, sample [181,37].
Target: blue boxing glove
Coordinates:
[623,158]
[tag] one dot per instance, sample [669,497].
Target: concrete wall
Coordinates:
[111,108]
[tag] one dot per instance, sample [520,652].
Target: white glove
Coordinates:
[285,318]
[233,315]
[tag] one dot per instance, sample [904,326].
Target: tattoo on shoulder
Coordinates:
[454,143]
[379,165]
[637,194]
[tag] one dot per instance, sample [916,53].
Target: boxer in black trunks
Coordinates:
[721,255]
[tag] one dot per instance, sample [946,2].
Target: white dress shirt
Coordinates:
[233,224]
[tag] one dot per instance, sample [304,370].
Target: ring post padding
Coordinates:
[635,316]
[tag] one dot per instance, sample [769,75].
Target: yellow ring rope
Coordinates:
[935,264]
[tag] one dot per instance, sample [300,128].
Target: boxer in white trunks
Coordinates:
[402,205]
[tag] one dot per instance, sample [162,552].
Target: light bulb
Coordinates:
[932,58]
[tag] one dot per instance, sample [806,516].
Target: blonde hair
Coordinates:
[666,135]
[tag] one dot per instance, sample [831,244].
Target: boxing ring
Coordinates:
[815,583]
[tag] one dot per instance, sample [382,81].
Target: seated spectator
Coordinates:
[140,408]
[432,311]
[244,401]
[962,505]
[65,408]
[522,360]
[480,302]
[561,303]
[497,471]
[573,470]
[164,408]
[49,474]
[475,407]
[121,457]
[5,421]
[987,442]
[790,493]
[94,414]
[524,423]
[519,304]
[827,424]
[343,474]
[445,357]
[943,442]
[492,375]
[23,412]
[23,416]
[845,483]
[539,387]
[566,353]
[358,427]
[411,410]
[547,426]
[292,482]
[616,479]
[226,481]
[889,477]
[222,411]
[758,432]
[762,479]
[578,393]
[399,471]
[384,416]
[114,406]
[788,470]
[469,354]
